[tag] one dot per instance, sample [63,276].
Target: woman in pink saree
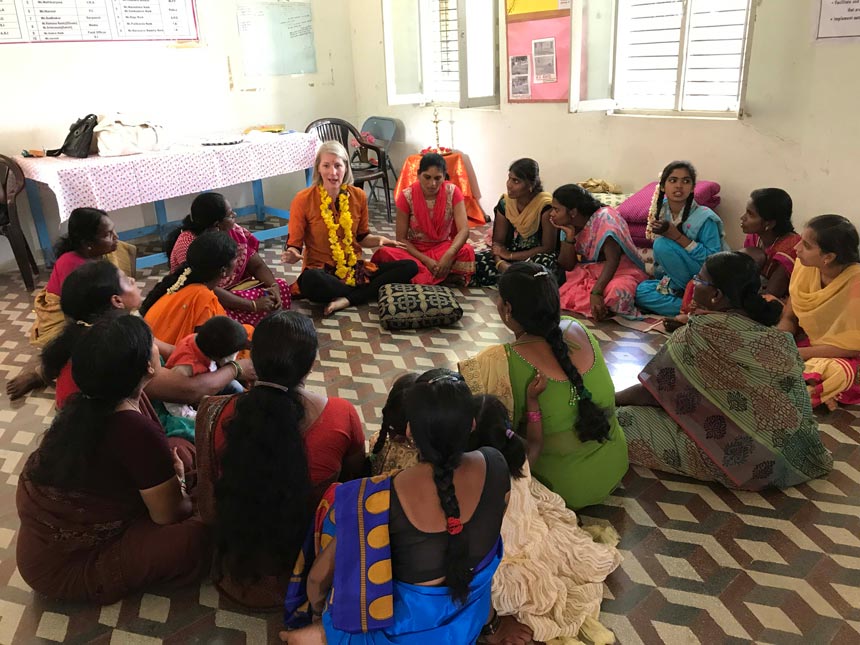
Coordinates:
[250,290]
[603,267]
[432,223]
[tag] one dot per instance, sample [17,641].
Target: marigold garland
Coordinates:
[342,252]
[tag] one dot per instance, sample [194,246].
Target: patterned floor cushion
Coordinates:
[416,306]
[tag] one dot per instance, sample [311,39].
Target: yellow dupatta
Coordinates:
[829,315]
[526,222]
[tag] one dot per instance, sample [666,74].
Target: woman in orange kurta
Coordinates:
[186,298]
[328,230]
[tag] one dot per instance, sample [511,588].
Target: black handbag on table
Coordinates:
[79,140]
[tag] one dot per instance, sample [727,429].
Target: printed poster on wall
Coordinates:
[64,21]
[839,19]
[277,39]
[543,55]
[518,72]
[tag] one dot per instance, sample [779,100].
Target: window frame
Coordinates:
[610,105]
[425,60]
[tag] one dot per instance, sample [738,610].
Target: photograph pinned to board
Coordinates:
[543,54]
[276,39]
[519,75]
[838,19]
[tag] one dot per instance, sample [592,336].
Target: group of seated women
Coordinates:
[526,433]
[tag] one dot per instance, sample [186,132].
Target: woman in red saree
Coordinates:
[432,223]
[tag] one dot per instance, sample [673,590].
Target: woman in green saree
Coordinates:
[577,448]
[725,400]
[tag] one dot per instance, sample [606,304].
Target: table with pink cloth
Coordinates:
[111,183]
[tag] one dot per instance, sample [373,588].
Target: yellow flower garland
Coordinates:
[343,252]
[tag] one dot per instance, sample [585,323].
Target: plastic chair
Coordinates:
[342,131]
[11,184]
[383,129]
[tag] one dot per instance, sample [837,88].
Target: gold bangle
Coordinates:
[498,262]
[254,302]
[237,367]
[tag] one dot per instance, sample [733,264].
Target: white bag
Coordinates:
[117,135]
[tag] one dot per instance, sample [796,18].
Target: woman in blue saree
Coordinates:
[687,234]
[393,567]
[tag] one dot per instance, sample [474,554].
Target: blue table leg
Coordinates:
[160,217]
[35,199]
[259,202]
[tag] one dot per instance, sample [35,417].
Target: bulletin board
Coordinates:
[538,36]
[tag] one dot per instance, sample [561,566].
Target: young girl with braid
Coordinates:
[582,453]
[685,234]
[410,557]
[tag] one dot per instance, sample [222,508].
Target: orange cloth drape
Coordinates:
[459,176]
[175,315]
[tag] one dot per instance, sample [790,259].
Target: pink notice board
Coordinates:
[520,37]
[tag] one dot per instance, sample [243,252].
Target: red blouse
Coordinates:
[336,434]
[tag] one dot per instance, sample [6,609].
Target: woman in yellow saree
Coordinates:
[823,309]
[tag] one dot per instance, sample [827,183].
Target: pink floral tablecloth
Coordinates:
[110,183]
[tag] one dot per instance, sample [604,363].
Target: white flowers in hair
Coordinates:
[180,282]
[539,274]
[654,212]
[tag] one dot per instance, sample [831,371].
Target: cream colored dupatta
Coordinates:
[487,373]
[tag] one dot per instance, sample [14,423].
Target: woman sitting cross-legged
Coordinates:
[97,290]
[266,457]
[250,290]
[521,227]
[687,233]
[580,449]
[823,309]
[102,501]
[410,557]
[433,226]
[186,298]
[329,227]
[603,267]
[724,400]
[91,235]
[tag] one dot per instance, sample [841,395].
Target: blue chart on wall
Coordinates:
[277,39]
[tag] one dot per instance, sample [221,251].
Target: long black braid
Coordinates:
[440,416]
[532,293]
[668,170]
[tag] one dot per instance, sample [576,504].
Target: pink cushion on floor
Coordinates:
[635,208]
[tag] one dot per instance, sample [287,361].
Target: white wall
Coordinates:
[188,90]
[801,133]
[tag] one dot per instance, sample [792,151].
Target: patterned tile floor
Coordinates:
[702,564]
